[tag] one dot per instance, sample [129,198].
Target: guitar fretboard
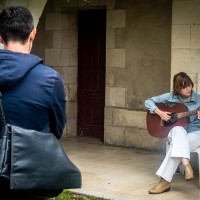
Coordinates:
[186,114]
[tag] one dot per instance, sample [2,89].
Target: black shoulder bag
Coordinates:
[34,160]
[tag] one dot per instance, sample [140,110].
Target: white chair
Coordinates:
[198,153]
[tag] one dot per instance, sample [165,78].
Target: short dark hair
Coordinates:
[181,81]
[16,24]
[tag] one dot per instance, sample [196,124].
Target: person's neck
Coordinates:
[17,47]
[185,99]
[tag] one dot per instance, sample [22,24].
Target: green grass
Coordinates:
[67,195]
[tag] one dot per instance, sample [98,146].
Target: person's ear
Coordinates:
[33,34]
[1,40]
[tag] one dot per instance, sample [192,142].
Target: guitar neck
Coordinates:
[186,114]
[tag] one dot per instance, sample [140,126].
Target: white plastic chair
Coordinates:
[198,153]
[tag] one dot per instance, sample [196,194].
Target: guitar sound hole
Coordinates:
[173,117]
[172,121]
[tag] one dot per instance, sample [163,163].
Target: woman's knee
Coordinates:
[177,130]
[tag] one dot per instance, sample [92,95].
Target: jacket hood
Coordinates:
[14,66]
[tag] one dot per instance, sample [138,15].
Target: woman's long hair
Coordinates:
[181,81]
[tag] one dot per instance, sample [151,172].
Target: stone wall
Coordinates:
[186,39]
[137,67]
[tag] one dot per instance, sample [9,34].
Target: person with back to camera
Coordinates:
[180,141]
[33,94]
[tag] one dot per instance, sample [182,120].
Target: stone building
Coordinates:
[112,55]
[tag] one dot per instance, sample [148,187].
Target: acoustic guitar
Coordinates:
[179,117]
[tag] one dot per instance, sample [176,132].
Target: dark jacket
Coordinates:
[33,94]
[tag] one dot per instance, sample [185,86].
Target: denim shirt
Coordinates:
[170,99]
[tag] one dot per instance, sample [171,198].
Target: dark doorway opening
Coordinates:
[91,72]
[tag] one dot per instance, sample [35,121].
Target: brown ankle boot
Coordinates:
[188,172]
[162,186]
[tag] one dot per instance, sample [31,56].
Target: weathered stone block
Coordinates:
[114,135]
[195,37]
[116,18]
[108,116]
[123,117]
[186,12]
[52,57]
[110,38]
[71,92]
[64,57]
[71,129]
[69,39]
[69,75]
[115,96]
[181,36]
[71,110]
[53,21]
[140,138]
[115,58]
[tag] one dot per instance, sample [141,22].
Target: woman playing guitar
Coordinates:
[181,140]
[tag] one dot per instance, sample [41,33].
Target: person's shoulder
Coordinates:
[167,94]
[196,96]
[46,70]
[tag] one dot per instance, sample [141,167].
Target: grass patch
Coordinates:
[67,195]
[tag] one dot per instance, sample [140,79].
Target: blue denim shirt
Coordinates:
[170,99]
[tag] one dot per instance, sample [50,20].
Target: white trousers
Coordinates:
[179,144]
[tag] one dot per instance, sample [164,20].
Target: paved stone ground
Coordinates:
[119,173]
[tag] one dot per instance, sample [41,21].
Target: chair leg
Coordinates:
[181,169]
[198,153]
